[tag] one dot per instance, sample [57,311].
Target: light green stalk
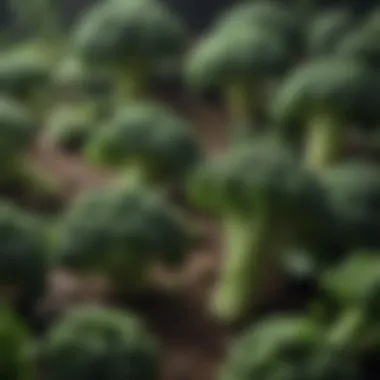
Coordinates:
[250,250]
[131,84]
[324,143]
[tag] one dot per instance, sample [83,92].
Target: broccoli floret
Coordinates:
[15,363]
[24,252]
[240,62]
[70,127]
[324,97]
[97,343]
[120,231]
[24,76]
[327,29]
[150,141]
[131,38]
[277,348]
[254,189]
[354,190]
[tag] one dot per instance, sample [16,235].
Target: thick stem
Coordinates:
[131,84]
[240,104]
[324,143]
[250,249]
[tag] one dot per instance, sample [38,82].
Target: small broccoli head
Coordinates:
[327,29]
[325,97]
[24,258]
[276,348]
[354,190]
[69,128]
[15,362]
[120,232]
[17,130]
[131,38]
[97,343]
[160,146]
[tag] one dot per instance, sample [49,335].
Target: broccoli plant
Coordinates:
[24,76]
[15,361]
[130,38]
[240,62]
[152,143]
[24,257]
[92,343]
[354,190]
[278,347]
[70,127]
[323,98]
[120,231]
[266,202]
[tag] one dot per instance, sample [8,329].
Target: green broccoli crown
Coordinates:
[151,137]
[14,341]
[119,229]
[21,71]
[339,89]
[17,129]
[237,56]
[276,348]
[327,29]
[70,127]
[259,177]
[117,32]
[24,259]
[96,343]
[354,190]
[356,282]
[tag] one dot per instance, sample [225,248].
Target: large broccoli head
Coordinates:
[148,140]
[24,252]
[17,130]
[121,231]
[266,202]
[324,98]
[92,343]
[15,361]
[131,38]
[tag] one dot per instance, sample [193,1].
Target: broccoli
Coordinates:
[150,141]
[15,361]
[240,62]
[24,253]
[120,231]
[327,29]
[325,97]
[276,348]
[255,189]
[25,77]
[70,127]
[91,343]
[130,38]
[354,190]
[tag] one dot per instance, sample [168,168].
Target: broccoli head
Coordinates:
[130,38]
[324,97]
[239,62]
[15,363]
[120,231]
[255,189]
[70,127]
[150,141]
[24,252]
[94,343]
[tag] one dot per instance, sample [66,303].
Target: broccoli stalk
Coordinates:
[323,99]
[254,189]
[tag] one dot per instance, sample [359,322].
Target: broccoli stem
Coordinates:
[324,142]
[239,102]
[131,83]
[249,250]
